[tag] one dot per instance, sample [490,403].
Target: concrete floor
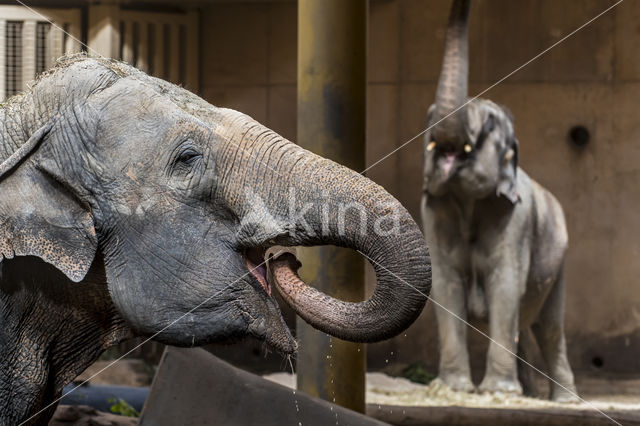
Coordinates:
[386,390]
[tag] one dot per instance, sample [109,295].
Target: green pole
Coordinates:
[331,122]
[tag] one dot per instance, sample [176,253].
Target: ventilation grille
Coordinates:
[13,73]
[30,44]
[42,39]
[162,44]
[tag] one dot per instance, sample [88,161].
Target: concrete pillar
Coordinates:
[72,44]
[55,47]
[143,46]
[28,52]
[158,52]
[127,45]
[174,54]
[104,35]
[331,122]
[192,52]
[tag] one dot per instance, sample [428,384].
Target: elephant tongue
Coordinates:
[256,265]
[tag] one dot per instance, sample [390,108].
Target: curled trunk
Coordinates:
[452,89]
[303,199]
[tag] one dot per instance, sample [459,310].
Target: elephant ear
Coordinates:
[41,217]
[507,181]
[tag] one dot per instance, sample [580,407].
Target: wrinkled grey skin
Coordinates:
[150,207]
[498,239]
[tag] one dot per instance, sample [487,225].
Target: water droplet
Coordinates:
[296,402]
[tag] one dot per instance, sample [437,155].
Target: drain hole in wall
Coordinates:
[579,136]
[597,362]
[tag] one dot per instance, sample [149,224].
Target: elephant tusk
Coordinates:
[467,148]
[431,145]
[509,155]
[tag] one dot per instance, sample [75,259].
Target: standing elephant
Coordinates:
[129,206]
[498,239]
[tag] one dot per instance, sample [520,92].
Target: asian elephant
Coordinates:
[497,238]
[130,206]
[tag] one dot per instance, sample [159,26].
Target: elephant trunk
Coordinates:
[452,88]
[299,198]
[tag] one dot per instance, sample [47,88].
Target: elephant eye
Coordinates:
[188,156]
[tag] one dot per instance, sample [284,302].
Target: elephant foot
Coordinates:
[565,396]
[500,384]
[458,382]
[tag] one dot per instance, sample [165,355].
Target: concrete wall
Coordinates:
[248,62]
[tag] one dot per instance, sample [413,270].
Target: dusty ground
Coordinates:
[126,372]
[382,389]
[81,415]
[386,390]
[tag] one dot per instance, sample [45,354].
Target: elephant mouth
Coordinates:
[447,162]
[267,325]
[255,261]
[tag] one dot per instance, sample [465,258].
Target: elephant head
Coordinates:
[182,199]
[470,147]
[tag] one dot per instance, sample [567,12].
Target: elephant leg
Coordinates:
[549,332]
[526,374]
[449,295]
[504,288]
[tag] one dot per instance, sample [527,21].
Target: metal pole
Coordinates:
[331,122]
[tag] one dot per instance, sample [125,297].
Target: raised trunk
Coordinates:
[452,89]
[299,198]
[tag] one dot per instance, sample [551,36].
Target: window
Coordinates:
[29,43]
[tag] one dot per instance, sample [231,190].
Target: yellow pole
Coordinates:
[331,122]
